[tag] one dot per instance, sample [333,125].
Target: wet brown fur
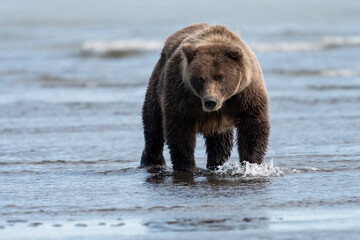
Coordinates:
[173,108]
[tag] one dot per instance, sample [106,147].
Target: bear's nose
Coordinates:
[210,102]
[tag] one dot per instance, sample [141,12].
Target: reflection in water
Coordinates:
[183,178]
[204,201]
[204,178]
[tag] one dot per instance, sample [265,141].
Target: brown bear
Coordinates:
[207,81]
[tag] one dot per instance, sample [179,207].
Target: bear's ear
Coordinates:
[189,51]
[234,53]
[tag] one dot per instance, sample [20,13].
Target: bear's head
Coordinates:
[214,72]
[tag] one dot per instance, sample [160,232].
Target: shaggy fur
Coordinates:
[207,81]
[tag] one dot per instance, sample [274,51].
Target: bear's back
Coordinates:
[175,39]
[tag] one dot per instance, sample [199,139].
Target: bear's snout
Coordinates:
[210,104]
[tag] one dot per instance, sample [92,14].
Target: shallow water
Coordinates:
[71,91]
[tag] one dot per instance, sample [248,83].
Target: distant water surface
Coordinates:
[72,80]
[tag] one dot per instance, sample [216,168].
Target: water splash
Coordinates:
[266,169]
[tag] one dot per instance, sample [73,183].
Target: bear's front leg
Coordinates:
[252,138]
[180,137]
[218,148]
[152,155]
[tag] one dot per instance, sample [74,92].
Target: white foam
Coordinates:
[266,169]
[340,73]
[286,47]
[341,40]
[326,42]
[315,72]
[302,170]
[121,46]
[126,46]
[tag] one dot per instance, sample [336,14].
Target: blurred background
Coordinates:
[73,75]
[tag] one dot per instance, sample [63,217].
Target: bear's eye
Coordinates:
[200,79]
[219,78]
